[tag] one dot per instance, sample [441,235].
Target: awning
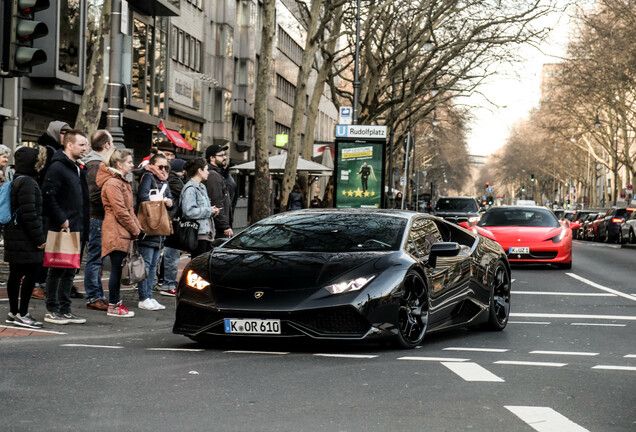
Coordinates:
[174,136]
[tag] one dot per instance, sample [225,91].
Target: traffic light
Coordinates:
[19,31]
[487,184]
[531,177]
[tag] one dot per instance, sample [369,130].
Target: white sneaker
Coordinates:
[148,304]
[158,305]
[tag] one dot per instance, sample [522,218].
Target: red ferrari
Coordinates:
[528,235]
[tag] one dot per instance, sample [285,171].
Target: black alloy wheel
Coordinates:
[413,311]
[499,298]
[621,240]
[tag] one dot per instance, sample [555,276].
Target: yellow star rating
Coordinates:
[344,193]
[366,194]
[358,193]
[350,193]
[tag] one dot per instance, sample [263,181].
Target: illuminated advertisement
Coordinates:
[359,174]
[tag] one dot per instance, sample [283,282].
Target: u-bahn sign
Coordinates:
[359,166]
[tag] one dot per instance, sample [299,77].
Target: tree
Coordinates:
[262,191]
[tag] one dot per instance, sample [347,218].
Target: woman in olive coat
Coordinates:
[24,235]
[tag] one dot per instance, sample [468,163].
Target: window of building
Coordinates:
[241,72]
[218,106]
[140,63]
[288,46]
[160,60]
[174,43]
[93,19]
[243,12]
[282,129]
[70,32]
[285,90]
[188,50]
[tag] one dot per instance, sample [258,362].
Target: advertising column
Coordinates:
[359,166]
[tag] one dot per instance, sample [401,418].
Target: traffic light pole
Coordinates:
[12,102]
[114,118]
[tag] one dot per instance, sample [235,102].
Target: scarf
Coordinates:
[160,174]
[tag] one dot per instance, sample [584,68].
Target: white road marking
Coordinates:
[607,367]
[33,330]
[352,356]
[630,356]
[175,349]
[567,294]
[92,346]
[512,280]
[580,316]
[529,363]
[573,353]
[599,325]
[472,372]
[544,419]
[435,359]
[497,350]
[601,287]
[255,352]
[530,322]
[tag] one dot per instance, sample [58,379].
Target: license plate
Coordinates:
[519,250]
[252,326]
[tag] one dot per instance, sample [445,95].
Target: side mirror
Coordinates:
[443,249]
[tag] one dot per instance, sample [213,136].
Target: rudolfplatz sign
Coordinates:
[359,166]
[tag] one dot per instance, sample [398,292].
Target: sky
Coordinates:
[515,96]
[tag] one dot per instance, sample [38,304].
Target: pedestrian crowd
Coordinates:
[93,191]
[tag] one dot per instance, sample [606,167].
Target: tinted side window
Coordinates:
[424,233]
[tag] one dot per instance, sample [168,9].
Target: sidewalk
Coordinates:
[79,278]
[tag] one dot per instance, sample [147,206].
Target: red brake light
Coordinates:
[617,220]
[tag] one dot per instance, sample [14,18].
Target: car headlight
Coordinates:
[350,285]
[559,237]
[195,281]
[473,220]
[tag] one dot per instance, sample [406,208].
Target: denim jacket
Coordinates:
[195,204]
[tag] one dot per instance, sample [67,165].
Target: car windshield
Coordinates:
[457,205]
[519,217]
[323,232]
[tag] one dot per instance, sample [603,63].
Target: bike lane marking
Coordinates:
[470,371]
[601,287]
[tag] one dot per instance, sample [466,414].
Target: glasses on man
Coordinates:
[163,167]
[221,155]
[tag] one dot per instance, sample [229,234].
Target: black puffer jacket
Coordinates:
[25,232]
[65,194]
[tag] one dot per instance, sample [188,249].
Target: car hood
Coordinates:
[287,271]
[514,234]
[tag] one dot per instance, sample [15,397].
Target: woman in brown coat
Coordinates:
[120,224]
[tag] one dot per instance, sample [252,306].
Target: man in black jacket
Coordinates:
[101,144]
[65,195]
[218,191]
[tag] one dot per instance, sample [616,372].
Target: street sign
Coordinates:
[346,114]
[402,181]
[630,187]
[281,140]
[623,195]
[361,131]
[490,190]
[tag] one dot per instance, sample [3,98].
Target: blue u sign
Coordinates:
[345,112]
[342,131]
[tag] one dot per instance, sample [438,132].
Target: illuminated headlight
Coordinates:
[350,285]
[195,281]
[559,237]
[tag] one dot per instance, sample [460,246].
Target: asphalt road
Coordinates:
[566,362]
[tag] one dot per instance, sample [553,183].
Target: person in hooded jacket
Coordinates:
[296,199]
[120,225]
[156,177]
[25,237]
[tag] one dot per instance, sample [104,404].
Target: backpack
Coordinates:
[5,202]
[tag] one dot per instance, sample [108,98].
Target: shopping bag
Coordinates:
[62,249]
[154,219]
[185,234]
[133,267]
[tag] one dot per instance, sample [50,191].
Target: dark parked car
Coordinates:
[591,226]
[628,228]
[609,228]
[458,209]
[345,274]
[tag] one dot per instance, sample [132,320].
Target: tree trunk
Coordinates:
[90,109]
[293,146]
[262,191]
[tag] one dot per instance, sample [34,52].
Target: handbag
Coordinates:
[185,234]
[133,267]
[153,216]
[62,249]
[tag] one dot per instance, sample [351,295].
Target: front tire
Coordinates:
[632,237]
[413,311]
[499,299]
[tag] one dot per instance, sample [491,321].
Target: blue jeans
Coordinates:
[170,267]
[93,270]
[151,257]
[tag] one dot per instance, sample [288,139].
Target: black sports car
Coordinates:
[354,274]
